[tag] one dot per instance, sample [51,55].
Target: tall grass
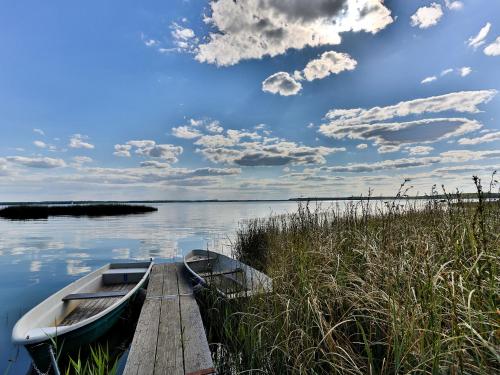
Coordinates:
[98,362]
[399,289]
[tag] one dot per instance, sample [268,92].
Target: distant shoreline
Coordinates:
[296,199]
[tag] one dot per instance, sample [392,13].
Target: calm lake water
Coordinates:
[40,257]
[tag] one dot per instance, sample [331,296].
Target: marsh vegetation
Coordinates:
[27,212]
[394,289]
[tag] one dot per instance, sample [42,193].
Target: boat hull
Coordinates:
[70,343]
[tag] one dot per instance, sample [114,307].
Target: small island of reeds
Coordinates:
[31,212]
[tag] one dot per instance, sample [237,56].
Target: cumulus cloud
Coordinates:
[251,148]
[453,156]
[38,162]
[362,146]
[461,101]
[365,124]
[40,144]
[281,83]
[194,127]
[428,79]
[151,149]
[428,16]
[419,150]
[454,5]
[383,165]
[184,38]
[479,38]
[465,71]
[122,150]
[493,49]
[488,137]
[214,127]
[253,29]
[328,63]
[39,131]
[185,132]
[78,161]
[79,141]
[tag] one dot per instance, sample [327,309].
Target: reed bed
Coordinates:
[403,288]
[30,212]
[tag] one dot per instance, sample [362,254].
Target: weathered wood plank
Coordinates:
[169,358]
[142,355]
[197,355]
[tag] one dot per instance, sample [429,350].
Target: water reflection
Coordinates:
[40,257]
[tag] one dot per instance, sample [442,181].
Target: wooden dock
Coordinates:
[169,338]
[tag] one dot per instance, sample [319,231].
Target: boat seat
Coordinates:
[110,294]
[123,275]
[237,270]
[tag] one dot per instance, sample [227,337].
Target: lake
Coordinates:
[39,257]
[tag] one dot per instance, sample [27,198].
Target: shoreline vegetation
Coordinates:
[30,212]
[405,288]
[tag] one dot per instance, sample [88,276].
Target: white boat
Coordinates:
[232,278]
[81,312]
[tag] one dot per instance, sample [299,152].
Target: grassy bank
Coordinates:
[398,290]
[26,212]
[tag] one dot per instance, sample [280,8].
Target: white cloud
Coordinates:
[39,131]
[488,137]
[479,39]
[365,124]
[154,164]
[122,150]
[384,165]
[446,71]
[78,161]
[38,162]
[461,101]
[419,150]
[147,148]
[193,128]
[185,132]
[253,29]
[454,5]
[428,16]
[214,127]
[493,49]
[78,141]
[428,79]
[465,71]
[362,146]
[40,144]
[184,39]
[328,63]
[453,156]
[281,83]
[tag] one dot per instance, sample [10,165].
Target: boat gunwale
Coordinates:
[55,331]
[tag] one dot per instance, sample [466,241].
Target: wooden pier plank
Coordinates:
[170,337]
[142,354]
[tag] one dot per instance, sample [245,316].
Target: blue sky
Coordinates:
[189,99]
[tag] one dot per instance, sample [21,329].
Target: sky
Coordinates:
[255,99]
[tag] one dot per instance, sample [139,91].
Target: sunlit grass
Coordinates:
[410,288]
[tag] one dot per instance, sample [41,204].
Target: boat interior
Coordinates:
[226,277]
[102,292]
